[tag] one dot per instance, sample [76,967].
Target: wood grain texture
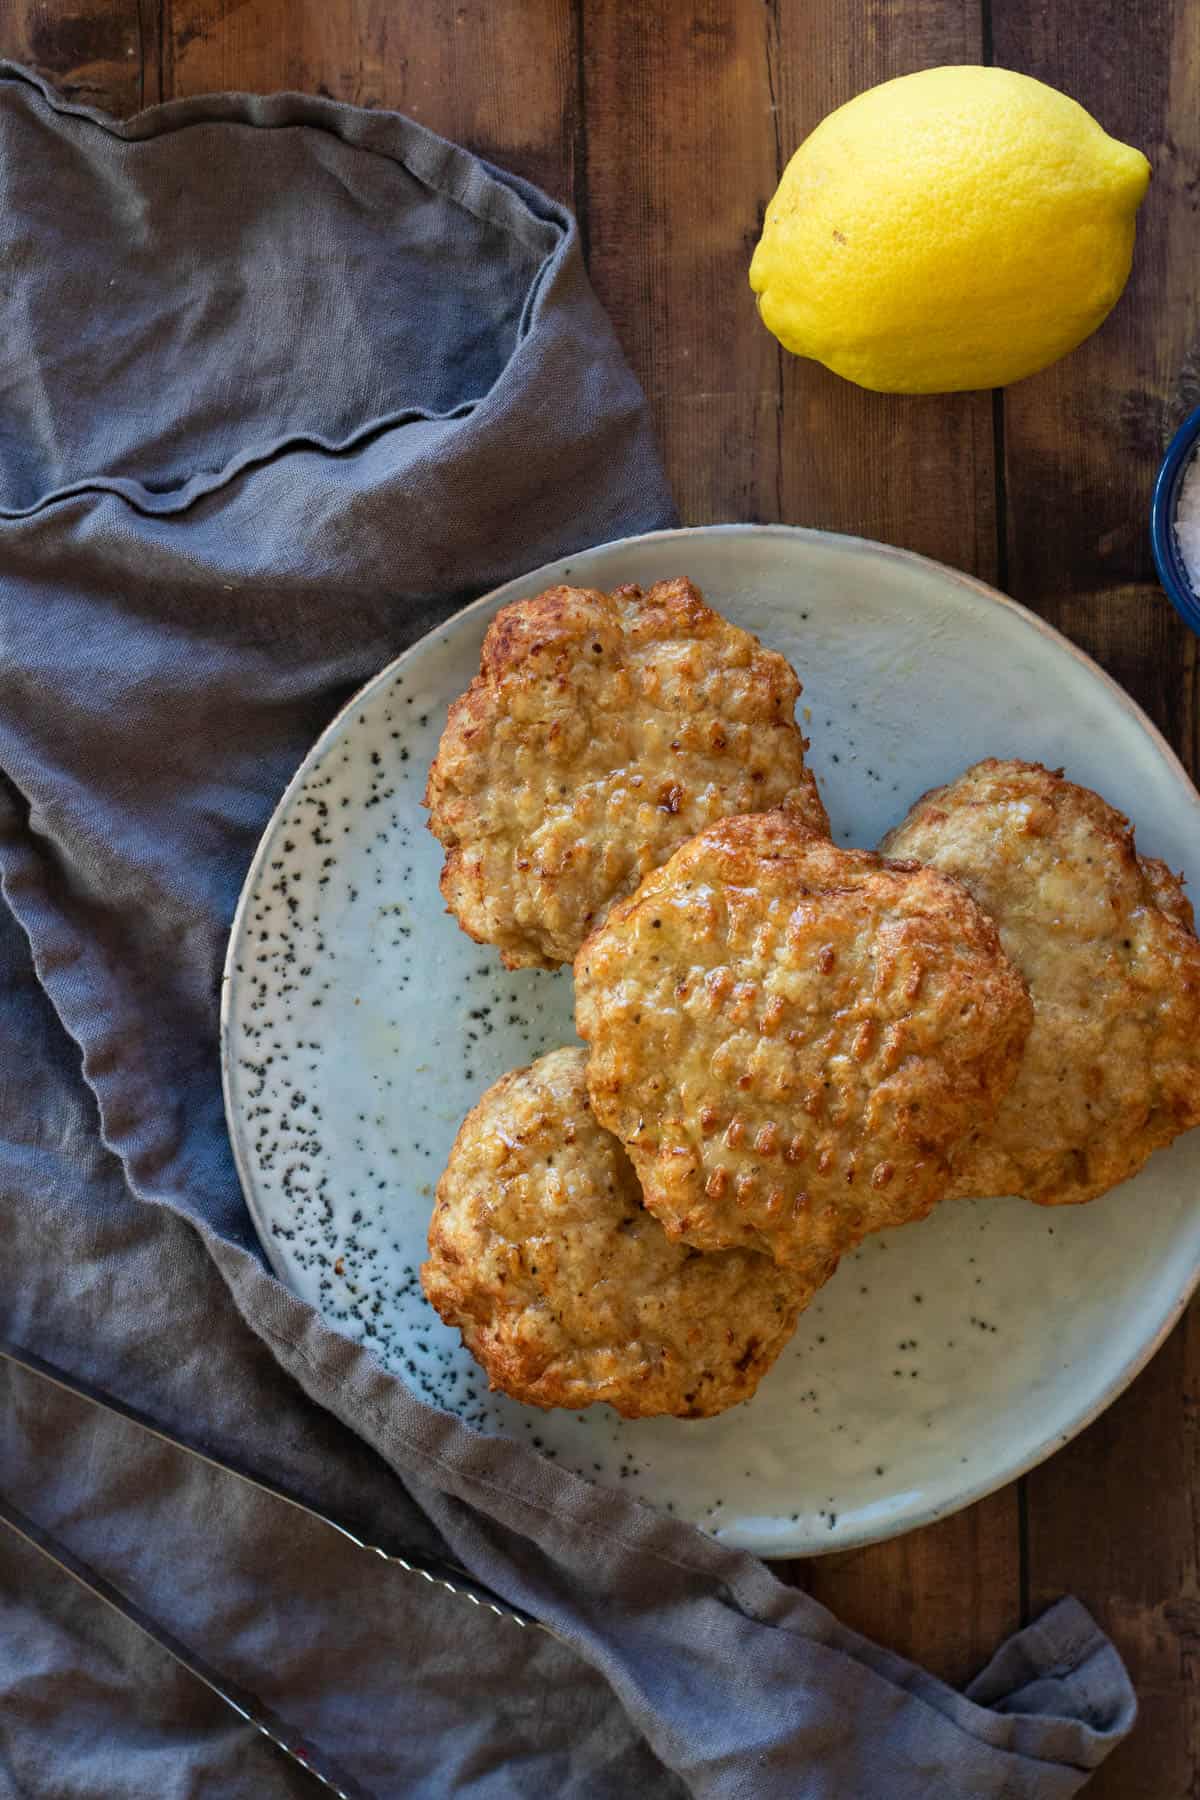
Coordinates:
[668,125]
[1113,1517]
[501,78]
[681,160]
[1113,1520]
[1083,440]
[914,472]
[945,1596]
[91,51]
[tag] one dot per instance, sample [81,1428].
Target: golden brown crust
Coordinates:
[564,1287]
[1111,1071]
[1167,889]
[790,1038]
[601,732]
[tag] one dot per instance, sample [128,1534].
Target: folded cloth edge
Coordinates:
[512,203]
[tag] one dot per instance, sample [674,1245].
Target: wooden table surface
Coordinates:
[665,123]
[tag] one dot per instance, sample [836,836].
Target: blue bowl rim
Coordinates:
[1168,558]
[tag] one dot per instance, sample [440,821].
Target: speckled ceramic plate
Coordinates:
[360,1024]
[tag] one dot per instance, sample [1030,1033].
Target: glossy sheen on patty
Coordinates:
[790,1039]
[564,1287]
[1111,1070]
[601,732]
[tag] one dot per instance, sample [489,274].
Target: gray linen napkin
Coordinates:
[282,384]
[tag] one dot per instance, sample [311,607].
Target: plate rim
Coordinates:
[981,590]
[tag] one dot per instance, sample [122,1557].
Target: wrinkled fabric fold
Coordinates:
[284,383]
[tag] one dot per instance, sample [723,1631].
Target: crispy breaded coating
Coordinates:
[565,1288]
[1111,1070]
[601,732]
[791,1038]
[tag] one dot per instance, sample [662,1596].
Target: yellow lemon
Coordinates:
[958,228]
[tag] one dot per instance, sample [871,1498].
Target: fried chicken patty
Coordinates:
[1111,1069]
[564,1287]
[790,1038]
[601,732]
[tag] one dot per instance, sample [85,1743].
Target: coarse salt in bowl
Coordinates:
[1175,521]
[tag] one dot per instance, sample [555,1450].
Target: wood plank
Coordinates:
[91,53]
[681,160]
[918,472]
[1084,439]
[945,1596]
[711,99]
[1112,1518]
[502,80]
